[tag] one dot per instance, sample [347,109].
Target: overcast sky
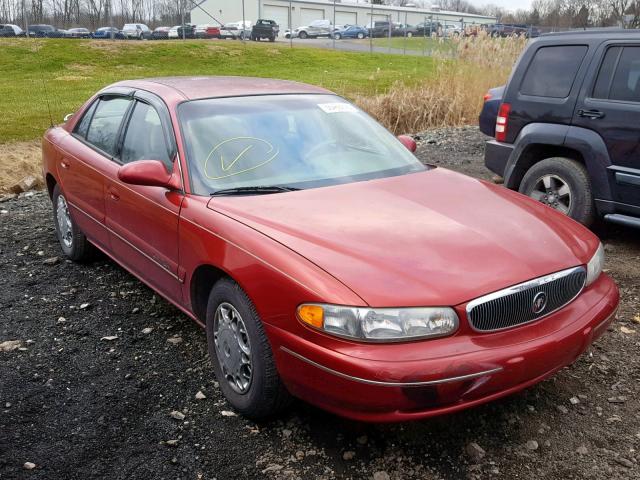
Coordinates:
[508,4]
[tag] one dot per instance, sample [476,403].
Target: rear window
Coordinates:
[619,76]
[552,71]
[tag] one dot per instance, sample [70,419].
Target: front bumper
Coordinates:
[411,381]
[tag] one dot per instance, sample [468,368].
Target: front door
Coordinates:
[611,107]
[143,221]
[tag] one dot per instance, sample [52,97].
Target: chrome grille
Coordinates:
[515,305]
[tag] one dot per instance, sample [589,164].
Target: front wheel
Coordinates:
[302,35]
[361,35]
[73,242]
[409,34]
[241,354]
[337,36]
[562,184]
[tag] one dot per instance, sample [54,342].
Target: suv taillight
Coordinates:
[502,122]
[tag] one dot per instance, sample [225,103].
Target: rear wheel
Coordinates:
[409,34]
[73,242]
[562,184]
[337,36]
[360,35]
[241,354]
[272,39]
[302,35]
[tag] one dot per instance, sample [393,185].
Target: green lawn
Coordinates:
[427,45]
[67,72]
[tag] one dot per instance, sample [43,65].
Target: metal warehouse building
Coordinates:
[304,12]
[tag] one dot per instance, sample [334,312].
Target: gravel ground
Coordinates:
[109,381]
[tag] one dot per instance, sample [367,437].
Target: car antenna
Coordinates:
[46,96]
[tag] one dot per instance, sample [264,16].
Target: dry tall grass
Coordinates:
[453,96]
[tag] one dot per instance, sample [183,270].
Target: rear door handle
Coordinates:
[590,114]
[65,164]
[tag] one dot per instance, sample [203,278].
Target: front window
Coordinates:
[294,141]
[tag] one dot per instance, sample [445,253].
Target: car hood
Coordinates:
[428,238]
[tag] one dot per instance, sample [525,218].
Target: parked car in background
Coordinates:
[108,33]
[44,31]
[428,29]
[160,33]
[283,221]
[452,30]
[508,30]
[78,33]
[566,132]
[182,31]
[379,29]
[10,30]
[137,31]
[236,30]
[351,31]
[403,30]
[265,29]
[317,28]
[207,31]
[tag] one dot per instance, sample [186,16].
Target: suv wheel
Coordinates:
[562,184]
[241,354]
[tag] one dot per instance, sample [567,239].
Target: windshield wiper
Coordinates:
[255,190]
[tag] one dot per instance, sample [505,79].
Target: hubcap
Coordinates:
[232,347]
[65,227]
[554,192]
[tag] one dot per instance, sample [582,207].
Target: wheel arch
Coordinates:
[51,183]
[537,142]
[202,281]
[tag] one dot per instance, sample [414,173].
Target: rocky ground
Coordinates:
[99,378]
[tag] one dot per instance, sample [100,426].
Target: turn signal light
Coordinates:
[312,315]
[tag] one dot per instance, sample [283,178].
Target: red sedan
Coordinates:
[323,259]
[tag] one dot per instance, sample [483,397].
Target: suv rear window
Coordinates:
[552,71]
[619,76]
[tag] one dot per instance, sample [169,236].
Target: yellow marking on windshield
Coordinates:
[226,168]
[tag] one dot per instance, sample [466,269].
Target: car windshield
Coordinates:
[294,141]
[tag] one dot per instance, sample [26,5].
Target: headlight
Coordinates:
[595,265]
[380,324]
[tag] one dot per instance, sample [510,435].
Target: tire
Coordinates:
[337,36]
[360,35]
[302,35]
[73,242]
[272,39]
[560,172]
[265,395]
[409,34]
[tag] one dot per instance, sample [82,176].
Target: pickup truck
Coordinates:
[265,29]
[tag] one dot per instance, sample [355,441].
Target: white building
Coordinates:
[303,12]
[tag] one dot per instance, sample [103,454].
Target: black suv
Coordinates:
[567,129]
[265,29]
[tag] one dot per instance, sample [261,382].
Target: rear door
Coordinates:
[143,221]
[85,162]
[610,106]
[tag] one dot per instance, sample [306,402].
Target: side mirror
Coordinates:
[408,142]
[150,173]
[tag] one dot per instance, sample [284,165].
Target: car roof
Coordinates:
[604,33]
[193,88]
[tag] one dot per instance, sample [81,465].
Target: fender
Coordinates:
[587,142]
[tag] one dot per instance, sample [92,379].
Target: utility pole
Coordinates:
[290,27]
[243,24]
[184,37]
[371,25]
[333,27]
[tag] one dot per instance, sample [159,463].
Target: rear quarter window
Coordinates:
[553,70]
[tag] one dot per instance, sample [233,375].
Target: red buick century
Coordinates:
[323,259]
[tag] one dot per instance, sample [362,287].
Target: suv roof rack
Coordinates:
[593,31]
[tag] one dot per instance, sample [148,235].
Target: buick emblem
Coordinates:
[539,302]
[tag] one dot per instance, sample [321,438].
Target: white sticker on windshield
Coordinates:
[337,107]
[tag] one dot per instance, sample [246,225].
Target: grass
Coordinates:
[426,45]
[66,73]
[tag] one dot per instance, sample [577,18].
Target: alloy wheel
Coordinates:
[554,192]
[233,348]
[65,226]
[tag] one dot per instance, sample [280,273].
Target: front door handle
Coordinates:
[595,114]
[114,195]
[64,164]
